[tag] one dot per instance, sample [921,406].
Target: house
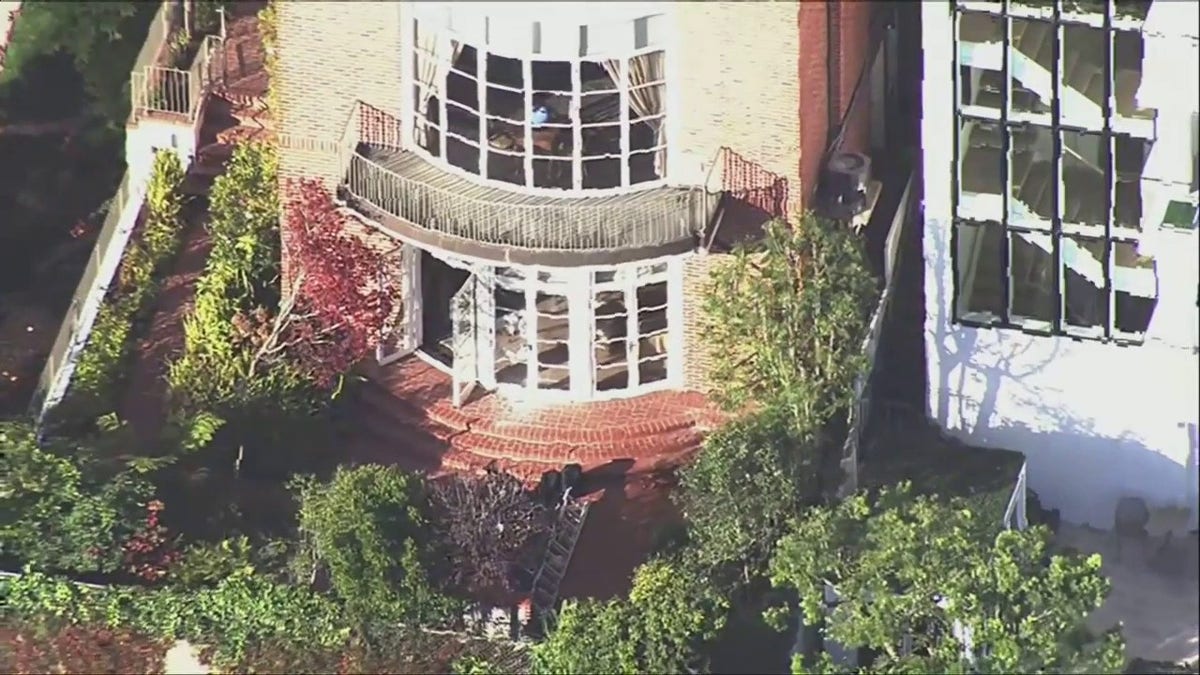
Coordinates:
[556,179]
[1059,146]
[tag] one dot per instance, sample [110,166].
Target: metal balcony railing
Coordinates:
[172,91]
[406,186]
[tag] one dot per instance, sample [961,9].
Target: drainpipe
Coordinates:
[833,69]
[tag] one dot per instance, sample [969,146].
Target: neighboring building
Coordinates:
[552,176]
[1060,179]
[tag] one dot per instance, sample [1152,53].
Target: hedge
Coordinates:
[103,363]
[239,611]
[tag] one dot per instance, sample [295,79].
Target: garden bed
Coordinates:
[102,367]
[938,465]
[91,648]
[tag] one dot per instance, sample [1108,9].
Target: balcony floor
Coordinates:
[497,223]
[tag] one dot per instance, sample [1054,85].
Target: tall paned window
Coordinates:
[595,121]
[1052,196]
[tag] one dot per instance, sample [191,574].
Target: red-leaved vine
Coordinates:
[150,552]
[340,293]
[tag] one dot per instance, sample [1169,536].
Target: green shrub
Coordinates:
[98,377]
[239,282]
[750,477]
[61,508]
[236,613]
[366,527]
[671,613]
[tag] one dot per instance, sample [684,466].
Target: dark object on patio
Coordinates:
[550,489]
[845,182]
[572,478]
[1130,520]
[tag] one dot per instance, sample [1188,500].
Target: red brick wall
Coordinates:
[852,23]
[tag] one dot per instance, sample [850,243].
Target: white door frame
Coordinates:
[406,336]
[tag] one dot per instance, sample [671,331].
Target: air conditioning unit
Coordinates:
[845,182]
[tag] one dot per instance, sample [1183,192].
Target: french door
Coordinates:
[402,331]
[473,338]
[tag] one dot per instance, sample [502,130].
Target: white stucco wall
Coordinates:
[1096,421]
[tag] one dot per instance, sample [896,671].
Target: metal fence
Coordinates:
[861,410]
[162,90]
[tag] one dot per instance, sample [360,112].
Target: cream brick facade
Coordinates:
[737,86]
[749,77]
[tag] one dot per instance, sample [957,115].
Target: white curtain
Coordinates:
[647,101]
[436,55]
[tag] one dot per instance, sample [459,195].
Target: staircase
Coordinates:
[403,414]
[544,591]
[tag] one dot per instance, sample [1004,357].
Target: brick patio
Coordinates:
[404,416]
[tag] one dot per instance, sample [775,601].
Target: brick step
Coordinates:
[442,411]
[588,455]
[381,402]
[524,442]
[403,430]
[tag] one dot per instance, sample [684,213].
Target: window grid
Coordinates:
[578,158]
[583,339]
[1058,229]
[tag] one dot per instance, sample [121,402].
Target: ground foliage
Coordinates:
[905,564]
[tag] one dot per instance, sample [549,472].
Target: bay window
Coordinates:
[498,107]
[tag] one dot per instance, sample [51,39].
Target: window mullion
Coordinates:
[1056,198]
[675,322]
[531,329]
[1110,174]
[481,80]
[1005,174]
[527,154]
[632,343]
[444,48]
[576,120]
[579,332]
[623,90]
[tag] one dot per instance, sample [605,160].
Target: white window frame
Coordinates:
[621,53]
[577,286]
[1062,234]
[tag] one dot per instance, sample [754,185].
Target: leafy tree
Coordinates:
[64,510]
[365,527]
[906,565]
[669,615]
[101,38]
[340,294]
[743,487]
[786,319]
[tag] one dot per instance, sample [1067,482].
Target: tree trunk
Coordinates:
[55,128]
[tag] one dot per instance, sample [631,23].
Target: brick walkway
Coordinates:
[237,114]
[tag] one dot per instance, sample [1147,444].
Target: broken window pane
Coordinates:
[978,251]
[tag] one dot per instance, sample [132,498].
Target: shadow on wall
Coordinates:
[1073,466]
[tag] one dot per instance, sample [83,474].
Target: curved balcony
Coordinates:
[421,201]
